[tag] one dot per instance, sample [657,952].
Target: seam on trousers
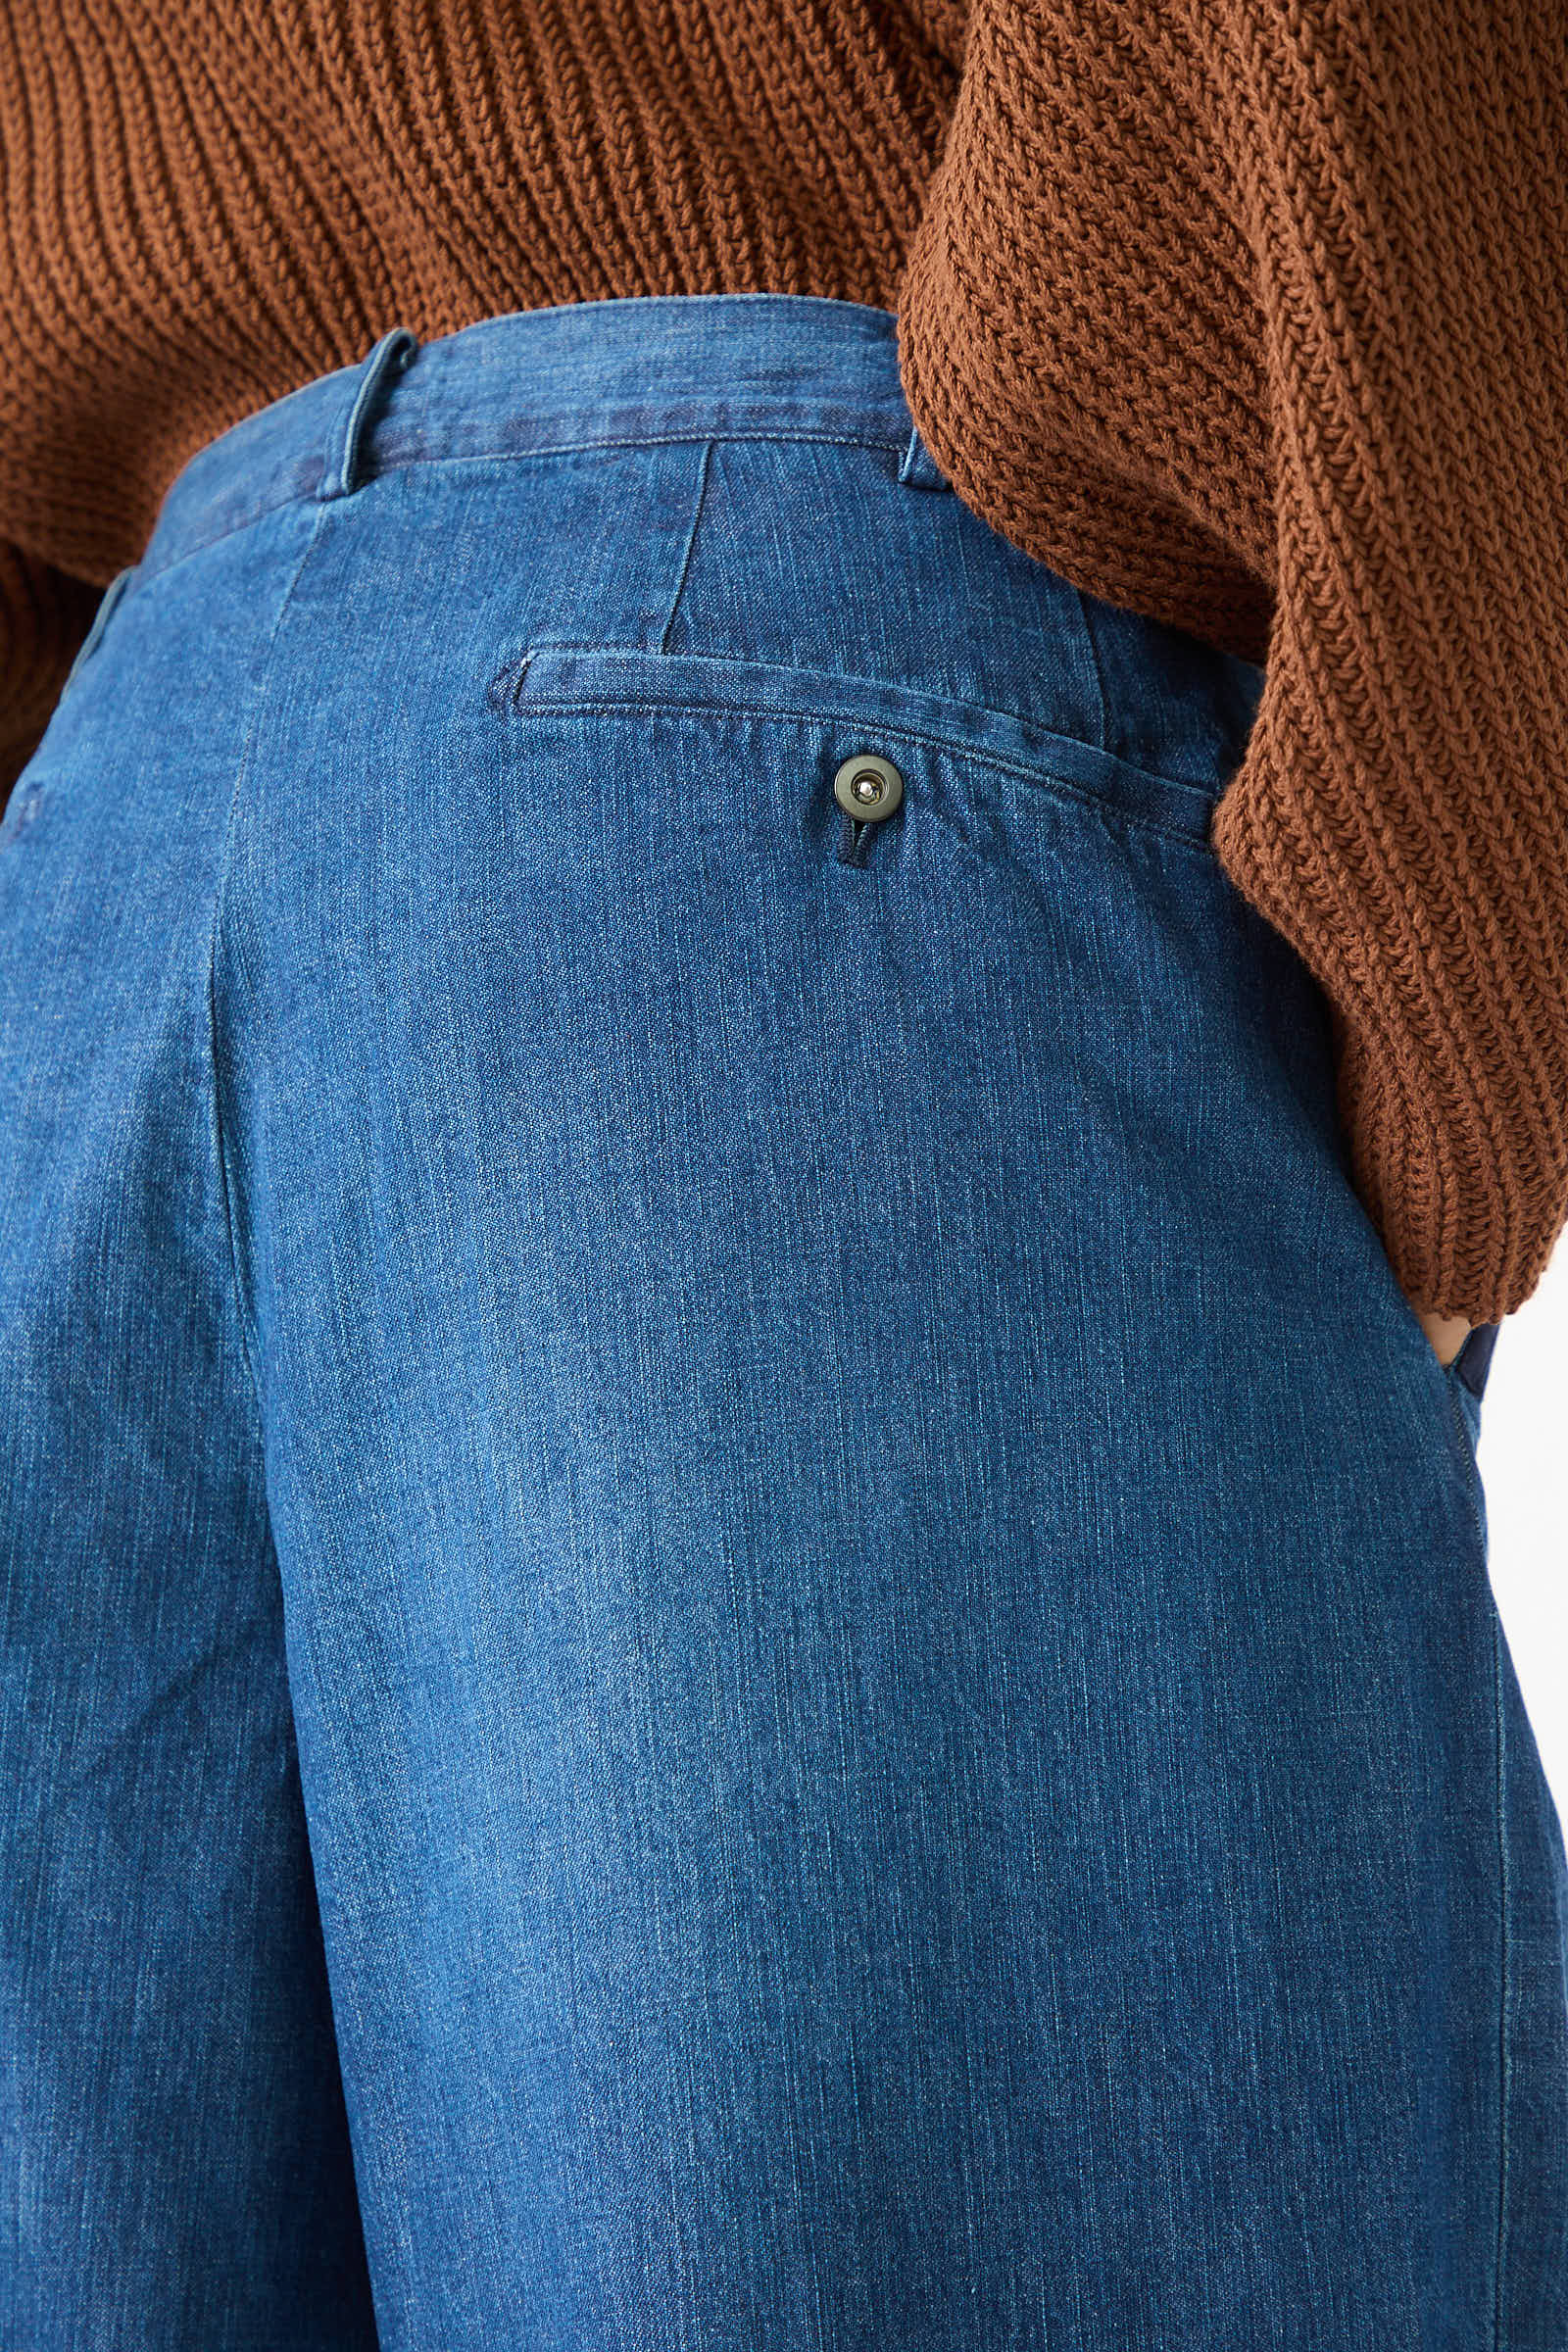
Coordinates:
[1103,744]
[249,1344]
[689,547]
[1468,1462]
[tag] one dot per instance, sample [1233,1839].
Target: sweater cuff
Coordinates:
[1455,1120]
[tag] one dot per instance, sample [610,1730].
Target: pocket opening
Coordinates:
[566,675]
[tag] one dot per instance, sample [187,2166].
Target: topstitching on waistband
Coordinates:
[635,370]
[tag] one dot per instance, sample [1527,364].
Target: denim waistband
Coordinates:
[636,369]
[642,370]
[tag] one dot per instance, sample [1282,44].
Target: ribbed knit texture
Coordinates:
[1249,314]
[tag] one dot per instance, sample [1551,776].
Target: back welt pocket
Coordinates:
[609,680]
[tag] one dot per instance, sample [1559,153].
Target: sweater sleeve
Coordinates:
[1254,316]
[1402,813]
[44,619]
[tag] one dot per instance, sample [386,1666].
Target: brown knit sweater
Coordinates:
[1251,315]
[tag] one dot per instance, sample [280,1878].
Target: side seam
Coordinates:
[249,1341]
[698,504]
[1093,650]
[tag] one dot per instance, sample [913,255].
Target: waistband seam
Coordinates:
[557,449]
[368,470]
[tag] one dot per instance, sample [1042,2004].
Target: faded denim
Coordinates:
[738,1614]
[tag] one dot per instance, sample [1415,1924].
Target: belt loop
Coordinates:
[919,468]
[389,357]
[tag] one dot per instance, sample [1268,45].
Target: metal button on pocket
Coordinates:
[868,787]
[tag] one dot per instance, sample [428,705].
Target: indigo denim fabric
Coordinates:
[738,1613]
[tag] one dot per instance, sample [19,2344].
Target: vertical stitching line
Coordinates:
[1504,1971]
[1469,1461]
[1099,675]
[249,1348]
[691,541]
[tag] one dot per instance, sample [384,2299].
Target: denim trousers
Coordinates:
[738,1612]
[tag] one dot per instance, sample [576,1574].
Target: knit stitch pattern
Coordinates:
[1248,315]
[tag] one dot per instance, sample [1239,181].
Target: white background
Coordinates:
[1522,1456]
